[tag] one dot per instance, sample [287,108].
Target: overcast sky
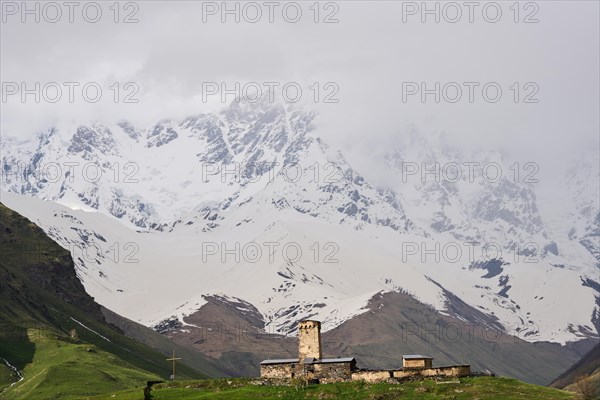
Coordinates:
[369,54]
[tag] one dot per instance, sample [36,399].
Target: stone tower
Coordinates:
[309,339]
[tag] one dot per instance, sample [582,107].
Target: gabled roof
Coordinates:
[280,361]
[416,357]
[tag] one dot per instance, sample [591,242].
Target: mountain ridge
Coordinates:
[259,173]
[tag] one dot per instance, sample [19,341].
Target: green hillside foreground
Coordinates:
[43,304]
[583,377]
[64,368]
[481,388]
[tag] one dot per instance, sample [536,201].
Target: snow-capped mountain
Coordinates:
[174,172]
[250,204]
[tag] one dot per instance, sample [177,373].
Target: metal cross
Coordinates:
[173,359]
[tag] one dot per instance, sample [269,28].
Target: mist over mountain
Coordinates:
[196,203]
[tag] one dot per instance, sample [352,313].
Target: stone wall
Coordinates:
[371,376]
[325,373]
[417,363]
[333,372]
[276,371]
[344,372]
[454,371]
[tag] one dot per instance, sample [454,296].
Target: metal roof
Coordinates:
[308,360]
[280,361]
[335,360]
[416,357]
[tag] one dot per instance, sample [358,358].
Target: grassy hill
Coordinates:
[53,333]
[483,388]
[583,377]
[63,368]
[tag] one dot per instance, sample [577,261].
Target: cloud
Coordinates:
[369,54]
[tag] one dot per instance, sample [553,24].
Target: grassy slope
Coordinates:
[583,376]
[469,388]
[6,376]
[587,365]
[40,292]
[588,384]
[64,369]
